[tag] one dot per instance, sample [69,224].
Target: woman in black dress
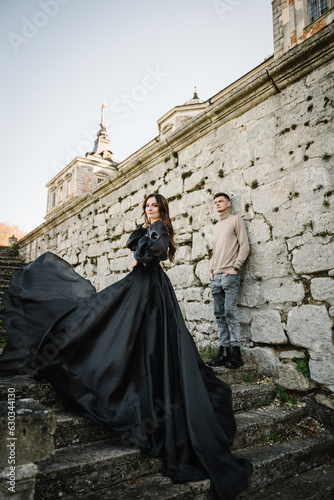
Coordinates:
[126,358]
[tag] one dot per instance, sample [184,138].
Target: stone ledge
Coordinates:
[33,440]
[25,478]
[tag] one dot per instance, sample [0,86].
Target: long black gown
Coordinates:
[126,358]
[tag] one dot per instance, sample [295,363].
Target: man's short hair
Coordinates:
[222,194]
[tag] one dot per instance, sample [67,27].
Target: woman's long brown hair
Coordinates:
[164,215]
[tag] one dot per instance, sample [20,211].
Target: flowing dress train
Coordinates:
[125,357]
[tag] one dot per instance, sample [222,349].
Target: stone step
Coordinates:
[153,487]
[78,469]
[252,426]
[245,396]
[32,428]
[27,387]
[74,429]
[317,484]
[5,250]
[4,281]
[8,271]
[280,461]
[246,373]
[11,260]
[255,425]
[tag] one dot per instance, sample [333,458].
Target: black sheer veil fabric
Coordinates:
[125,357]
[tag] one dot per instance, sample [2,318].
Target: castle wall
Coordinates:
[268,142]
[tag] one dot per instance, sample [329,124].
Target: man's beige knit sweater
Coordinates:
[230,244]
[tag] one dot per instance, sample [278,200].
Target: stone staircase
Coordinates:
[60,454]
[9,263]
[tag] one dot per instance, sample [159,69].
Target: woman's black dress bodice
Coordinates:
[150,246]
[125,357]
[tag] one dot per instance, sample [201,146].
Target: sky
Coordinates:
[61,59]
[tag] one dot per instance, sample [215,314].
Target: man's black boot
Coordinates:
[235,360]
[223,357]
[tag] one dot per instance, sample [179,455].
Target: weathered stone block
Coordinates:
[267,328]
[269,260]
[280,290]
[182,276]
[202,271]
[313,257]
[193,294]
[250,294]
[195,311]
[322,289]
[199,247]
[25,479]
[183,255]
[258,230]
[33,432]
[291,353]
[265,357]
[322,370]
[310,326]
[291,379]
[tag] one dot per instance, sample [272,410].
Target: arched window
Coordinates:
[316,8]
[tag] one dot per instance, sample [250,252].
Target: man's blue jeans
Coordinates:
[225,294]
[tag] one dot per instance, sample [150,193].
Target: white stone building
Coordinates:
[82,175]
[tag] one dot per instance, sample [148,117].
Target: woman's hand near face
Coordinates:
[134,265]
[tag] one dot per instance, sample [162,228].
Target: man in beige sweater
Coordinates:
[230,250]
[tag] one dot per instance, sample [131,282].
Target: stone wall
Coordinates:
[268,142]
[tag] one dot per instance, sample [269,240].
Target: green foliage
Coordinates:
[14,249]
[186,174]
[272,438]
[283,396]
[254,184]
[115,238]
[247,207]
[302,365]
[3,339]
[248,378]
[200,185]
[209,353]
[309,224]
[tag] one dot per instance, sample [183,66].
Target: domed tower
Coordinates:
[82,174]
[179,115]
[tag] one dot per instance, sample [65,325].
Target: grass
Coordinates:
[208,353]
